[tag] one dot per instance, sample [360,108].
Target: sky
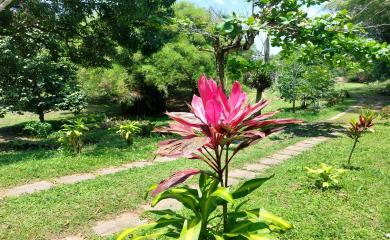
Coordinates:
[242,7]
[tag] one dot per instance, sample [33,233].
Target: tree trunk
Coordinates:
[267,45]
[259,94]
[293,106]
[41,115]
[4,4]
[220,68]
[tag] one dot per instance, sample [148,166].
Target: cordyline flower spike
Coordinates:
[214,123]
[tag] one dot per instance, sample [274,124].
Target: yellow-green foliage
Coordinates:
[128,129]
[72,135]
[325,176]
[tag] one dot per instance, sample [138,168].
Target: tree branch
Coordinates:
[4,4]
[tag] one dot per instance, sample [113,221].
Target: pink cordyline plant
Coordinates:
[215,130]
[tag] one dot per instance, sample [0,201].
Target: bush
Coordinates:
[72,135]
[336,97]
[325,176]
[127,130]
[95,119]
[146,127]
[385,114]
[38,129]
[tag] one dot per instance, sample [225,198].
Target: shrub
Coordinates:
[38,129]
[128,129]
[325,176]
[94,119]
[385,114]
[215,130]
[146,127]
[358,127]
[72,135]
[336,97]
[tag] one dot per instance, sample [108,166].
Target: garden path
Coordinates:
[132,219]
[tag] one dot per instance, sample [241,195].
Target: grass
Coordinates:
[359,210]
[105,148]
[72,208]
[17,167]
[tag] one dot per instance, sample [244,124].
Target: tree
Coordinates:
[88,32]
[372,15]
[287,25]
[253,71]
[298,81]
[177,65]
[290,81]
[4,4]
[37,83]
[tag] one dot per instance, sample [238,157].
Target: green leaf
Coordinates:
[223,193]
[275,220]
[183,195]
[217,237]
[130,231]
[191,231]
[262,236]
[249,186]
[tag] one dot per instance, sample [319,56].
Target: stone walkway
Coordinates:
[72,179]
[75,178]
[131,219]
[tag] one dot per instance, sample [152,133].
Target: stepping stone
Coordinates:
[171,204]
[242,174]
[29,188]
[255,167]
[320,139]
[164,159]
[269,161]
[306,144]
[70,179]
[73,237]
[299,148]
[280,157]
[337,116]
[233,181]
[289,152]
[106,171]
[137,164]
[119,223]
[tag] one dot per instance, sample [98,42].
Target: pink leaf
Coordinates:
[177,128]
[185,118]
[213,111]
[237,96]
[175,179]
[207,88]
[198,109]
[181,147]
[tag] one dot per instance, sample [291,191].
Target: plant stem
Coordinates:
[225,207]
[350,154]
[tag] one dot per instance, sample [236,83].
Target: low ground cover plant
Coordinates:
[357,128]
[385,114]
[127,130]
[38,129]
[72,135]
[215,130]
[325,176]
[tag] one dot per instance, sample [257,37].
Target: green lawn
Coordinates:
[105,148]
[357,211]
[72,208]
